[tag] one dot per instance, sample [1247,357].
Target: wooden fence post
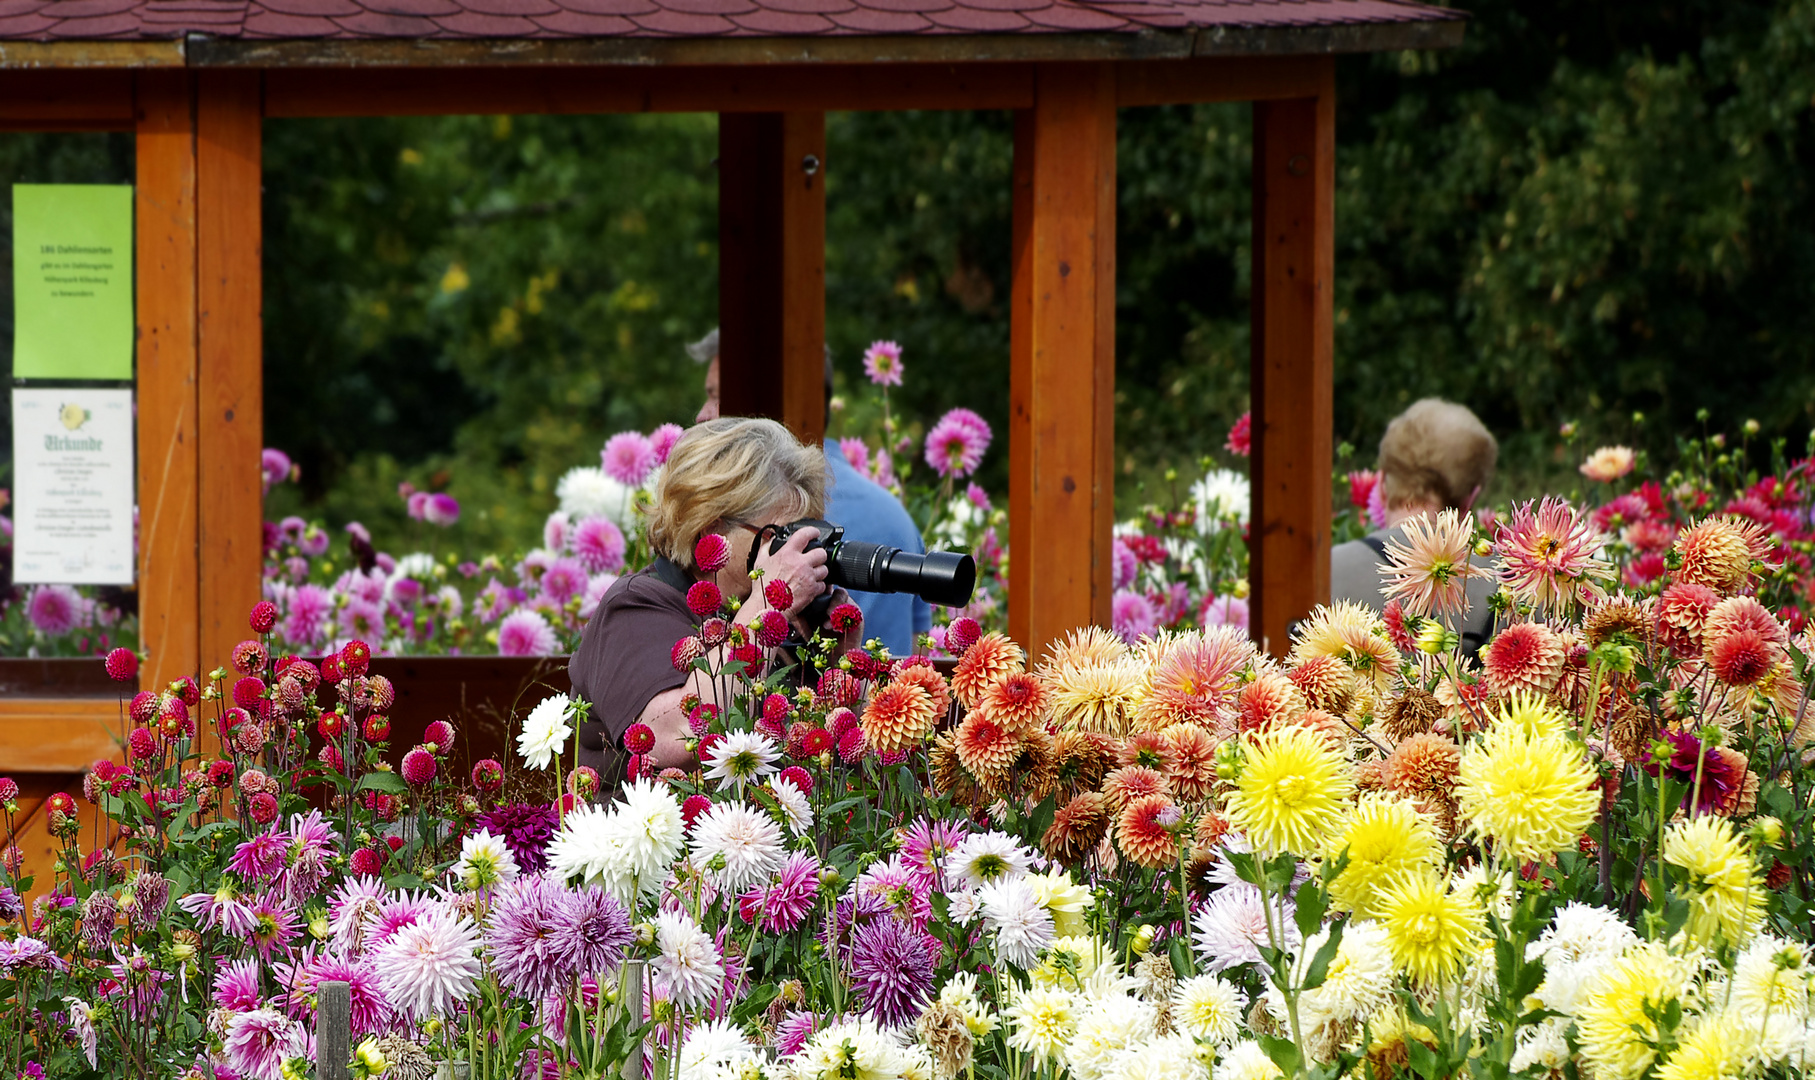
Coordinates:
[333,1030]
[1293,340]
[1061,425]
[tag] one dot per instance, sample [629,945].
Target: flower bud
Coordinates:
[370,1056]
[1142,940]
[1769,831]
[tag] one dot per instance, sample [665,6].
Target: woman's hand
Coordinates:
[803,570]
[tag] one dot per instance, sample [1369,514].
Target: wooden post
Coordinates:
[229,117]
[1062,355]
[333,1030]
[167,376]
[1294,260]
[772,268]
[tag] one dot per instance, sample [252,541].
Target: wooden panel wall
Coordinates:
[229,296]
[169,578]
[771,286]
[1294,261]
[1062,362]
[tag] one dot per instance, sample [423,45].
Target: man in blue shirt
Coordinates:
[867,511]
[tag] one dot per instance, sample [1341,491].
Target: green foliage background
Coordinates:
[1586,212]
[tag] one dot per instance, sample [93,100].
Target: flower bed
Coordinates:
[1591,854]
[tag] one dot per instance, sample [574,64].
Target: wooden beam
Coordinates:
[771,286]
[58,735]
[1222,78]
[229,293]
[1294,260]
[66,101]
[43,55]
[493,90]
[1062,367]
[169,579]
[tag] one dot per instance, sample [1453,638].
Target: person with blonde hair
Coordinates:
[1436,455]
[731,477]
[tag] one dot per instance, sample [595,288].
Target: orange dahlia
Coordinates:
[948,773]
[1422,766]
[1195,680]
[1018,701]
[927,678]
[1718,552]
[1207,836]
[1193,755]
[986,748]
[1525,657]
[1148,749]
[1741,613]
[1334,732]
[1350,633]
[1325,682]
[1682,612]
[898,716]
[1132,782]
[993,657]
[1143,831]
[1270,700]
[1077,828]
[1743,657]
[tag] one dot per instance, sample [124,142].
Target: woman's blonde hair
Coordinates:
[732,467]
[1436,451]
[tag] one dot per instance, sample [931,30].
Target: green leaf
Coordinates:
[1320,964]
[388,782]
[1282,1051]
[1311,904]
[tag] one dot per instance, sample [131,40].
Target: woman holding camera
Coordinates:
[732,477]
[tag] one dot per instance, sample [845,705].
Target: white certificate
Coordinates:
[72,487]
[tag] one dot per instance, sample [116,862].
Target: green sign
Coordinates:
[72,281]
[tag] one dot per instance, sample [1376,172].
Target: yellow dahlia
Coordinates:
[1534,795]
[1090,646]
[1352,634]
[1726,892]
[1095,697]
[1533,715]
[1616,1024]
[898,716]
[1721,1045]
[1431,930]
[1291,791]
[993,657]
[1384,837]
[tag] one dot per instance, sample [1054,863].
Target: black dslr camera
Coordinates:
[945,578]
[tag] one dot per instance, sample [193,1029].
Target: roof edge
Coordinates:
[1421,33]
[143,53]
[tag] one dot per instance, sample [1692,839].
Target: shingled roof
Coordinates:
[298,20]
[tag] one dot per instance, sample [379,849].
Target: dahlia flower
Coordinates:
[1429,573]
[891,969]
[955,445]
[593,930]
[1618,1024]
[629,457]
[1526,657]
[1384,837]
[1231,927]
[526,950]
[1132,615]
[1608,464]
[1291,790]
[1221,497]
[427,968]
[715,1050]
[1431,929]
[741,757]
[737,846]
[1727,897]
[54,609]
[527,633]
[1041,1022]
[1209,1008]
[882,363]
[898,716]
[545,731]
[1550,557]
[796,809]
[981,858]
[258,1043]
[1532,793]
[485,860]
[787,903]
[687,962]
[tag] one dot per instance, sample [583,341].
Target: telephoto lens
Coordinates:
[946,578]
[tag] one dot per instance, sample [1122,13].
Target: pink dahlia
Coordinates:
[275,465]
[787,903]
[1550,556]
[54,609]
[122,665]
[1132,616]
[563,580]
[1241,436]
[957,442]
[856,453]
[259,1042]
[629,457]
[882,363]
[662,441]
[441,509]
[599,545]
[526,633]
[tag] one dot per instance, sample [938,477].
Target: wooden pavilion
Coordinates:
[194,79]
